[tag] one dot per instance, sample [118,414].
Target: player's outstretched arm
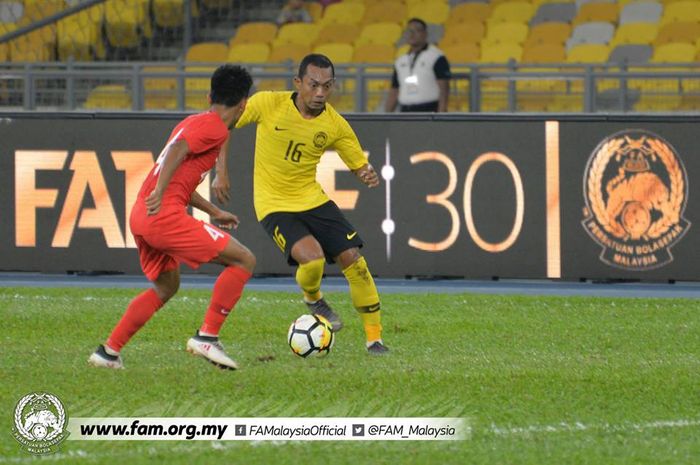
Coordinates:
[367,175]
[169,162]
[224,219]
[221,185]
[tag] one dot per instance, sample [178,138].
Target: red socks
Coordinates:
[139,311]
[227,290]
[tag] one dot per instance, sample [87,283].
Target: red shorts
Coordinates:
[171,237]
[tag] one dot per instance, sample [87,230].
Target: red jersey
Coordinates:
[204,133]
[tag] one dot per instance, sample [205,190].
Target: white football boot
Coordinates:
[100,358]
[211,349]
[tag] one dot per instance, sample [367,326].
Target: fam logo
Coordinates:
[636,188]
[320,139]
[40,423]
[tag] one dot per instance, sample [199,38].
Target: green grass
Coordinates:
[523,371]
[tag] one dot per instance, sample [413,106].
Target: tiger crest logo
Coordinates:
[636,189]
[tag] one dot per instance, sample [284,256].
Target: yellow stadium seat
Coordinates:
[501,53]
[402,50]
[511,12]
[126,21]
[590,12]
[345,13]
[207,52]
[674,53]
[338,53]
[588,53]
[338,33]
[658,102]
[385,11]
[537,3]
[168,13]
[380,33]
[288,52]
[681,11]
[315,10]
[567,103]
[544,53]
[249,53]
[76,39]
[430,12]
[506,33]
[159,92]
[464,53]
[548,33]
[35,10]
[682,31]
[635,33]
[34,46]
[254,32]
[375,54]
[297,33]
[109,96]
[462,33]
[469,12]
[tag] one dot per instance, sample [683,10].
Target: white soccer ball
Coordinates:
[310,335]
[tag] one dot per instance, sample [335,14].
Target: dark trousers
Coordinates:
[429,106]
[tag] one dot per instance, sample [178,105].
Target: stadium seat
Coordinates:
[462,53]
[641,12]
[126,22]
[591,33]
[297,33]
[650,102]
[501,53]
[548,33]
[159,92]
[682,31]
[588,53]
[554,12]
[631,53]
[346,13]
[338,53]
[635,33]
[205,52]
[288,52]
[544,53]
[34,10]
[79,36]
[430,12]
[462,33]
[511,12]
[254,32]
[597,12]
[469,12]
[505,33]
[249,53]
[380,33]
[315,10]
[375,54]
[338,33]
[108,97]
[385,11]
[168,13]
[681,11]
[580,3]
[674,53]
[34,46]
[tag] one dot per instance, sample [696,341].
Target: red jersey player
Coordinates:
[166,235]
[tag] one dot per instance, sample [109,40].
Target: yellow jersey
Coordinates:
[288,148]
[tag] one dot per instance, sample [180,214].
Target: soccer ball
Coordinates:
[310,335]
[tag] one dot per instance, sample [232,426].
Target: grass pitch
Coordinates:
[540,380]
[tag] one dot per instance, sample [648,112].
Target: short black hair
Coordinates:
[229,85]
[419,21]
[316,59]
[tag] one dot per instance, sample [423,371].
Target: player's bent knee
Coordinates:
[348,257]
[248,261]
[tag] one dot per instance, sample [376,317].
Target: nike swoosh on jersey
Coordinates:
[280,129]
[351,235]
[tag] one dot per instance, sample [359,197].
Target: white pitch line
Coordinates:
[565,427]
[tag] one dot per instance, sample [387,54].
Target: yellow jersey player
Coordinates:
[294,130]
